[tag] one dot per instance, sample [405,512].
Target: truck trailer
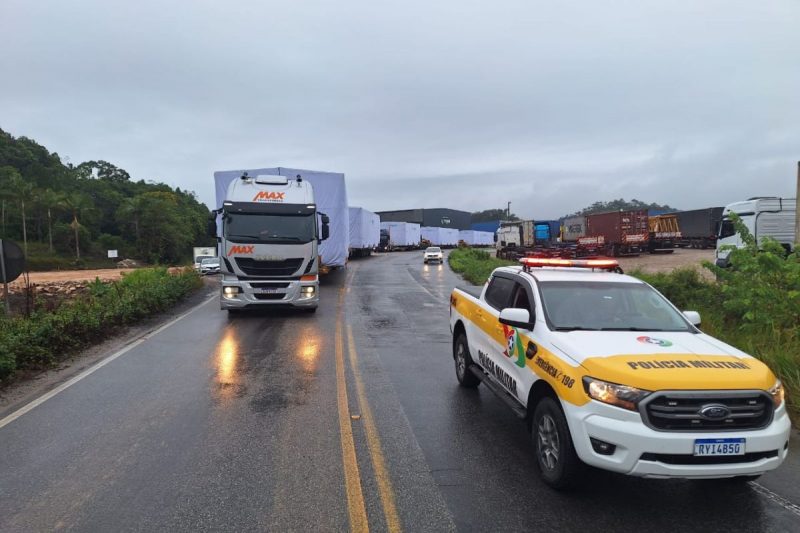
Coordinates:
[442,237]
[476,238]
[616,233]
[665,234]
[365,231]
[402,235]
[270,228]
[699,227]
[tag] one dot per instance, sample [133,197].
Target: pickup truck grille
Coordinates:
[707,411]
[251,267]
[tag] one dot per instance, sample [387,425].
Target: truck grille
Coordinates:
[251,267]
[270,296]
[707,411]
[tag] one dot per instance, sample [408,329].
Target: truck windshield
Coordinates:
[605,306]
[274,229]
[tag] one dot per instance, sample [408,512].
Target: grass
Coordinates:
[475,265]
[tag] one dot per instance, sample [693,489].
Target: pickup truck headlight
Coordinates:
[777,393]
[614,394]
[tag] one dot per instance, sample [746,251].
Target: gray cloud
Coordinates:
[460,104]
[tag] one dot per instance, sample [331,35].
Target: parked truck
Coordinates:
[365,231]
[403,235]
[615,234]
[476,238]
[764,217]
[665,234]
[699,227]
[278,229]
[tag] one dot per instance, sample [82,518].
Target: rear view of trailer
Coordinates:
[403,235]
[365,231]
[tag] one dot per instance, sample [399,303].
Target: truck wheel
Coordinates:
[558,463]
[463,361]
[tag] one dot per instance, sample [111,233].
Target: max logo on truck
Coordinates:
[241,250]
[269,196]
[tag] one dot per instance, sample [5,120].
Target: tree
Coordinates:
[51,201]
[622,205]
[21,190]
[78,205]
[490,215]
[131,211]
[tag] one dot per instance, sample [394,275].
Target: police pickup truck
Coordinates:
[608,373]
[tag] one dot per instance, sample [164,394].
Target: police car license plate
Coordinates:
[719,446]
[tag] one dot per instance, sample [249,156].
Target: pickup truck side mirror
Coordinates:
[693,317]
[326,230]
[516,318]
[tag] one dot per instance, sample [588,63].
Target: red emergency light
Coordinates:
[599,264]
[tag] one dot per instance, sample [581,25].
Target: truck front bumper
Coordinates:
[241,294]
[645,452]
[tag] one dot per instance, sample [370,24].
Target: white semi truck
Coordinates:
[269,231]
[764,217]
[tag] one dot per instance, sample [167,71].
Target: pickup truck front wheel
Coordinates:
[463,361]
[555,454]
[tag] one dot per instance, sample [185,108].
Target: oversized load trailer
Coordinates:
[573,228]
[403,235]
[365,231]
[442,237]
[665,234]
[476,238]
[330,195]
[699,227]
[616,233]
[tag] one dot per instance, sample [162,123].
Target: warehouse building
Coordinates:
[434,218]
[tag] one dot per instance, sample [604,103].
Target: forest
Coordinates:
[67,216]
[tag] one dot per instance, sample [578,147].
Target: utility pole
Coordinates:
[508,209]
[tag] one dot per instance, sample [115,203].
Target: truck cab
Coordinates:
[269,239]
[764,217]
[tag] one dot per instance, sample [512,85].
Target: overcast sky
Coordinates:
[463,104]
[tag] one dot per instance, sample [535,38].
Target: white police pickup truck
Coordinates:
[609,373]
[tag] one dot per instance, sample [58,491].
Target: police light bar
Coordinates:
[600,264]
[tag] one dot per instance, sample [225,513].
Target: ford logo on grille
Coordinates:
[714,411]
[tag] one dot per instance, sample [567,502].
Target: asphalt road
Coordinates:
[349,417]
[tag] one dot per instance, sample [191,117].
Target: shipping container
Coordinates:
[573,228]
[699,227]
[403,235]
[616,233]
[547,231]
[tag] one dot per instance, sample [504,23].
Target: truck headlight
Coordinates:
[614,394]
[308,291]
[777,392]
[230,292]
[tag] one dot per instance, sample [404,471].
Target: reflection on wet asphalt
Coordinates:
[232,423]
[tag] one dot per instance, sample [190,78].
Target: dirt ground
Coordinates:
[680,258]
[74,275]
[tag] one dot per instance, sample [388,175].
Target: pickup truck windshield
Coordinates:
[603,306]
[271,229]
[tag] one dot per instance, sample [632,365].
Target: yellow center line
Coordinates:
[355,497]
[374,444]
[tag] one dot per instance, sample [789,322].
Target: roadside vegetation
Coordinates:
[475,265]
[48,336]
[67,216]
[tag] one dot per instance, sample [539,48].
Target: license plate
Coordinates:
[265,291]
[719,446]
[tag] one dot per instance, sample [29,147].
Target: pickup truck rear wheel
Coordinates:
[558,463]
[463,361]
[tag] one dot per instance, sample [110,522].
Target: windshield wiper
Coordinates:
[574,328]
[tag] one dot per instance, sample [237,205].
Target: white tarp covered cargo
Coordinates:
[440,236]
[330,195]
[402,234]
[476,238]
[365,228]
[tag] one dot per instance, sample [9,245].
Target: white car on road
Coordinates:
[433,253]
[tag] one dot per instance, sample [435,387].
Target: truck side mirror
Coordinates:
[516,318]
[326,230]
[211,225]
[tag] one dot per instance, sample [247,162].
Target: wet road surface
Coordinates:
[350,417]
